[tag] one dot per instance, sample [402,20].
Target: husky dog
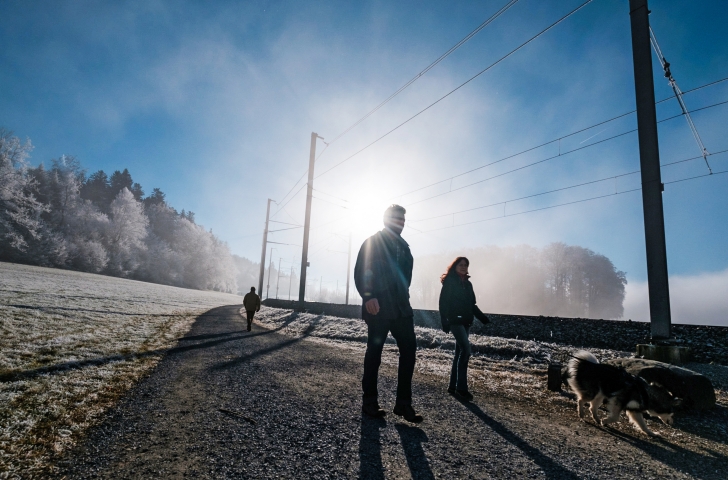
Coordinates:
[594,382]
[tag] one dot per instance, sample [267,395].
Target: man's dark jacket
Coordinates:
[384,271]
[457,303]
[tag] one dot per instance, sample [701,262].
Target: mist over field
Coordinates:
[694,299]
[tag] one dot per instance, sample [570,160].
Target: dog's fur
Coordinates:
[594,382]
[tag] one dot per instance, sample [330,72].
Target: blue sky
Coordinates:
[214,103]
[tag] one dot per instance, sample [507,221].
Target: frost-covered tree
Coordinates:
[20,210]
[248,272]
[58,217]
[64,184]
[125,233]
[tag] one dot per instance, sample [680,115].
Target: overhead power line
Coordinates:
[289,200]
[283,229]
[429,67]
[591,182]
[285,223]
[458,87]
[299,179]
[560,154]
[558,139]
[678,95]
[567,203]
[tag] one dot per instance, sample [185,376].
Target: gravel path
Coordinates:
[227,403]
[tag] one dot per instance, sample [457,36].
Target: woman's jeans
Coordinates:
[459,372]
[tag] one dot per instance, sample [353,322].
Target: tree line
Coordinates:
[59,217]
[557,280]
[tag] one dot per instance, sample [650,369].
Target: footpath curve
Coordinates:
[227,403]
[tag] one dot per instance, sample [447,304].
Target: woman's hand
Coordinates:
[445,325]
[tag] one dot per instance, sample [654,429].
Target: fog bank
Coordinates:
[695,299]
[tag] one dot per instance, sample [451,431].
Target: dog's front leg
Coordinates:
[594,406]
[639,421]
[580,407]
[614,411]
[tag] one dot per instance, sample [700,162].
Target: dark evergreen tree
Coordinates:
[156,198]
[137,191]
[119,181]
[97,190]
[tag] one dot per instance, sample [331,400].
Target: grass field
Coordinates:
[70,344]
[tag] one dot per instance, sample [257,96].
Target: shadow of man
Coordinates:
[412,439]
[370,448]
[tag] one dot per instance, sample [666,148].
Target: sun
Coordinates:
[367,209]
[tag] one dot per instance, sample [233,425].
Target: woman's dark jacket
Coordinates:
[384,271]
[457,303]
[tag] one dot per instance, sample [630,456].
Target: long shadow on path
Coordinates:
[412,440]
[550,467]
[214,339]
[237,361]
[370,448]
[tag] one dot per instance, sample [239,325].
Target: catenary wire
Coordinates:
[556,140]
[561,154]
[611,177]
[457,88]
[568,203]
[429,67]
[301,177]
[678,96]
[285,223]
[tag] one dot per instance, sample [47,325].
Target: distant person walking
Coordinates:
[251,302]
[383,274]
[457,309]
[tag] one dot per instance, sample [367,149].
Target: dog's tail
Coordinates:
[578,357]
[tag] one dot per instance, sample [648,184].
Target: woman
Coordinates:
[457,309]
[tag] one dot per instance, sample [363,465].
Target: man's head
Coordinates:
[252,289]
[394,218]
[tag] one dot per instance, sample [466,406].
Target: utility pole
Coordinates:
[307,222]
[262,254]
[267,288]
[348,271]
[321,285]
[278,281]
[290,281]
[652,186]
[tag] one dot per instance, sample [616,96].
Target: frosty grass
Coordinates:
[70,345]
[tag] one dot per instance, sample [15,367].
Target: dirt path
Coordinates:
[227,403]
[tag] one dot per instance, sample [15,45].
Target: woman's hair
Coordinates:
[451,268]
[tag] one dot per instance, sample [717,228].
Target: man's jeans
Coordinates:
[403,331]
[459,372]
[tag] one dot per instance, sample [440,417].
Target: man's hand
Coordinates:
[372,306]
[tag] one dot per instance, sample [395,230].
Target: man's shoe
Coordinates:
[408,413]
[248,327]
[373,410]
[464,394]
[451,390]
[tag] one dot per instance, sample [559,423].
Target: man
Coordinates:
[251,302]
[383,274]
